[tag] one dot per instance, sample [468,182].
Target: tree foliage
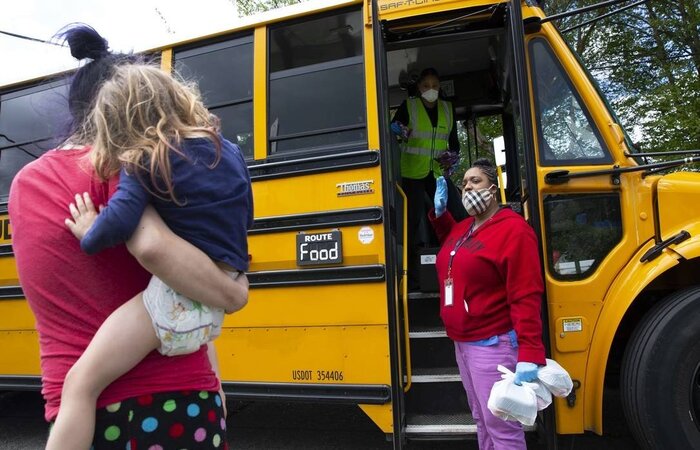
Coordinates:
[647,62]
[250,7]
[476,142]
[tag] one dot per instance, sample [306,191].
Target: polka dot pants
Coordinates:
[190,420]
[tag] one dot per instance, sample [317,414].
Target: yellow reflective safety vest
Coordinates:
[425,142]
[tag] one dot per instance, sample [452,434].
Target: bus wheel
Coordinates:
[661,375]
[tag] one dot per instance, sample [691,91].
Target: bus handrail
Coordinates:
[404,290]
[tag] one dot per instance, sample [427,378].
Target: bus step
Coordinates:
[436,426]
[435,375]
[424,314]
[428,333]
[423,295]
[436,352]
[439,397]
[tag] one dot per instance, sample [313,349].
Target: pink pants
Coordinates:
[477,368]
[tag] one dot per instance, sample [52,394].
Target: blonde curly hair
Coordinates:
[140,115]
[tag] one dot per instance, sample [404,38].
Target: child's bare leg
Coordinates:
[123,340]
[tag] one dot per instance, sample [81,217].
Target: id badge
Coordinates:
[448,292]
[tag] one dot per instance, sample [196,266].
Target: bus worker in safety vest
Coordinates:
[425,125]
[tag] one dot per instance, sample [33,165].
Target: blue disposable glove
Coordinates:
[525,371]
[440,199]
[401,131]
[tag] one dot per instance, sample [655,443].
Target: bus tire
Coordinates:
[660,380]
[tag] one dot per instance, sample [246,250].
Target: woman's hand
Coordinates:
[440,199]
[241,293]
[447,160]
[401,131]
[525,371]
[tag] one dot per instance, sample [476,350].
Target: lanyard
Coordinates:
[457,246]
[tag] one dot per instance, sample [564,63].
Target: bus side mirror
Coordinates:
[532,25]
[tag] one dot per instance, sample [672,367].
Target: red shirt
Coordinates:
[71,293]
[497,273]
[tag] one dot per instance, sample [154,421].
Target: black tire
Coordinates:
[660,382]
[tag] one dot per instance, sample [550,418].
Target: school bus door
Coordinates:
[522,145]
[394,210]
[587,231]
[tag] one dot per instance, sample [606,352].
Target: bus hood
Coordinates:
[678,202]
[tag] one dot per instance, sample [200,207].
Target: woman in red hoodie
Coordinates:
[490,293]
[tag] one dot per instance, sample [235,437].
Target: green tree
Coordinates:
[476,142]
[647,62]
[250,7]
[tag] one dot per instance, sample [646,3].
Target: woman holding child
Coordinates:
[97,346]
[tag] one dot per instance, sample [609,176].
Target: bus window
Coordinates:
[566,133]
[224,72]
[581,231]
[30,124]
[317,95]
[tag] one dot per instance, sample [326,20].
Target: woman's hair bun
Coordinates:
[85,42]
[483,162]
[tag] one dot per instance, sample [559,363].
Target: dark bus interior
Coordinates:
[471,51]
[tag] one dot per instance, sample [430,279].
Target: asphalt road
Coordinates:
[286,426]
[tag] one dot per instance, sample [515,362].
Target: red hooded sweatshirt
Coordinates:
[497,282]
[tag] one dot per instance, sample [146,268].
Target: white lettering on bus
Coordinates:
[318,237]
[323,254]
[355,187]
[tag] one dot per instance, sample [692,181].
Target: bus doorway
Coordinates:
[472,50]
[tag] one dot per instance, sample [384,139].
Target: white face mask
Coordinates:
[430,95]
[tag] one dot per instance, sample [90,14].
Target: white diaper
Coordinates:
[181,324]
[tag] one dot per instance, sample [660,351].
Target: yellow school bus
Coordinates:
[307,91]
